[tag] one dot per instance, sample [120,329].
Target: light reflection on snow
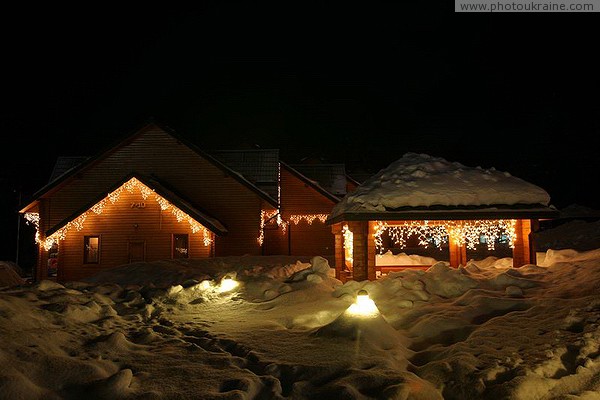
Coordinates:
[227,284]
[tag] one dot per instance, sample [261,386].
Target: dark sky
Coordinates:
[360,84]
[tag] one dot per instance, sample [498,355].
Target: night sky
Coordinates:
[359,84]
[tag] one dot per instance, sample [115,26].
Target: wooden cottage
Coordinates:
[156,196]
[423,201]
[305,194]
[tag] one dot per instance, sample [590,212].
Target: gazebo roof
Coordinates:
[420,186]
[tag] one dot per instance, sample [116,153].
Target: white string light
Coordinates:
[348,244]
[309,218]
[131,185]
[467,233]
[266,216]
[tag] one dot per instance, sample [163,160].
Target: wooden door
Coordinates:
[137,250]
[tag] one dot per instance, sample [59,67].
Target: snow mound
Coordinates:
[575,235]
[9,275]
[165,273]
[389,258]
[484,330]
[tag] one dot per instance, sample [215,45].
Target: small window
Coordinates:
[91,249]
[180,246]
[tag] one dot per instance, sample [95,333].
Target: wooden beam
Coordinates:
[522,250]
[371,251]
[360,264]
[457,252]
[336,229]
[535,226]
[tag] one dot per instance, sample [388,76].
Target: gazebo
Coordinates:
[435,203]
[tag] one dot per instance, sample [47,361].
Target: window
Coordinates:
[180,246]
[503,238]
[91,249]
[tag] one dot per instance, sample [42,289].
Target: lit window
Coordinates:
[180,246]
[91,249]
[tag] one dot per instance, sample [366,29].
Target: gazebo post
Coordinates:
[521,250]
[340,261]
[360,257]
[371,252]
[458,252]
[535,226]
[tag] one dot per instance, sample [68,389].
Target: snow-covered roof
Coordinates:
[423,183]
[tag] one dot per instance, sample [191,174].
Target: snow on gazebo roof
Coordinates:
[423,186]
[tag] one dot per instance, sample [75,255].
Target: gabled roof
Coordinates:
[89,162]
[493,211]
[352,180]
[331,177]
[314,184]
[64,164]
[213,224]
[259,166]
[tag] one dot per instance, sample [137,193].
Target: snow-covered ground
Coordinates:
[164,330]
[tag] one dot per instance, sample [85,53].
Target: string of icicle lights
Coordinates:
[348,244]
[266,216]
[98,208]
[467,233]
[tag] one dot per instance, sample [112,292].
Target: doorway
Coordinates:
[137,250]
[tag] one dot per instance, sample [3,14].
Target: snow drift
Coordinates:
[483,330]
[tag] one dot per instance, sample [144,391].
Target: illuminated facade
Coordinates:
[155,196]
[438,229]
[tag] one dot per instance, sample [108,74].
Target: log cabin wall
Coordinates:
[522,252]
[350,186]
[339,258]
[131,229]
[300,198]
[153,152]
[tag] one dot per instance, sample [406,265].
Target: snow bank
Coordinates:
[389,258]
[165,273]
[483,330]
[9,275]
[577,235]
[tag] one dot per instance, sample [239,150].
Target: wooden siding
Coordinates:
[339,259]
[118,226]
[303,239]
[312,240]
[156,153]
[350,186]
[522,253]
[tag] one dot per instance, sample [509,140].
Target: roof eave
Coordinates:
[55,184]
[173,198]
[311,183]
[444,215]
[28,207]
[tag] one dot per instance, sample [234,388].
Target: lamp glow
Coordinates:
[227,284]
[363,306]
[205,285]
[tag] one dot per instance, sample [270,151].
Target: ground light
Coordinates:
[227,284]
[205,285]
[363,306]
